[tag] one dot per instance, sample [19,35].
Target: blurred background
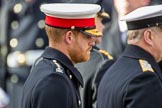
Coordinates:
[22,40]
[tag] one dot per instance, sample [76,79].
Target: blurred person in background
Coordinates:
[107,6]
[22,41]
[4,98]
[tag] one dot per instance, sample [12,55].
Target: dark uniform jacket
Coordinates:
[133,81]
[88,70]
[53,83]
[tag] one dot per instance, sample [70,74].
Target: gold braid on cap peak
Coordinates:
[103,14]
[94,32]
[106,53]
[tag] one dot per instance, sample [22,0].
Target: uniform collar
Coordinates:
[136,52]
[54,54]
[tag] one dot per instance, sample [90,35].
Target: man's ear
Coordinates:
[69,37]
[148,36]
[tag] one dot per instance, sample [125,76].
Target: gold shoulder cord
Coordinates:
[106,54]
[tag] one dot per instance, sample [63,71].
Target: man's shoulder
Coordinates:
[102,53]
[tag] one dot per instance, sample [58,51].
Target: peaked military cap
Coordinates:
[101,13]
[74,1]
[72,16]
[144,17]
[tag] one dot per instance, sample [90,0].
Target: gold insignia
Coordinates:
[106,53]
[145,66]
[94,32]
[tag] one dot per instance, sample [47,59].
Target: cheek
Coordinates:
[160,42]
[159,46]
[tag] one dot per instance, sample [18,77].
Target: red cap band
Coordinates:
[67,23]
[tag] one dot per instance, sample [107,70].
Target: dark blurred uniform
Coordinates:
[2,52]
[99,73]
[22,41]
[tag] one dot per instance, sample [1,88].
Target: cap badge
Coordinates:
[72,27]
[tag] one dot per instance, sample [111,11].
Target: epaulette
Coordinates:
[106,54]
[58,67]
[145,66]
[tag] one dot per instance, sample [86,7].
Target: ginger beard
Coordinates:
[81,50]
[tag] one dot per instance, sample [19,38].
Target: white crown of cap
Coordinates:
[72,11]
[143,13]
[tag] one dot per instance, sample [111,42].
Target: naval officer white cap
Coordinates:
[72,16]
[143,17]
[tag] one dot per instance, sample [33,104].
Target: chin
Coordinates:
[86,59]
[81,60]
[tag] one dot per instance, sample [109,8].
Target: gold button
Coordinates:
[39,42]
[41,24]
[21,59]
[17,8]
[15,25]
[14,79]
[13,43]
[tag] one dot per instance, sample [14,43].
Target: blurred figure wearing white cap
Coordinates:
[54,81]
[135,79]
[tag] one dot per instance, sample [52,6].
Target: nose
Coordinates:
[92,41]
